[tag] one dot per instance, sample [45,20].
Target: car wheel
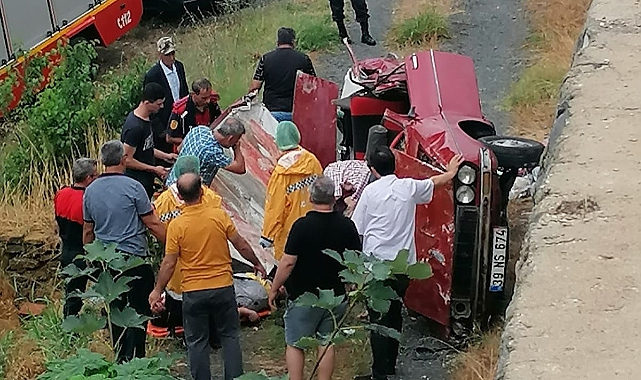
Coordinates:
[514,152]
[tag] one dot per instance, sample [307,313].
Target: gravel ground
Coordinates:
[492,32]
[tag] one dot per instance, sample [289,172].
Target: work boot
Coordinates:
[366,38]
[342,31]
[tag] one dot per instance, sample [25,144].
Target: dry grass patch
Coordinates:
[556,25]
[480,360]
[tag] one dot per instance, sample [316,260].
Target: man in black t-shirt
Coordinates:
[277,70]
[138,138]
[305,268]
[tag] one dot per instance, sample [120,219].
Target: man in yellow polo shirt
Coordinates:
[198,239]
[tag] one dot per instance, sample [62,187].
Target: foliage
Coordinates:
[58,118]
[106,268]
[90,365]
[314,33]
[368,277]
[416,30]
[538,83]
[6,341]
[53,340]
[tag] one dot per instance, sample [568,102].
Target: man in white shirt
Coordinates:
[385,218]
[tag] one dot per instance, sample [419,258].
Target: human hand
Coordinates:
[156,302]
[260,270]
[455,162]
[161,172]
[271,299]
[171,157]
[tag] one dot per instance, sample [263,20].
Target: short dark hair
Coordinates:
[152,92]
[200,84]
[382,160]
[286,36]
[189,185]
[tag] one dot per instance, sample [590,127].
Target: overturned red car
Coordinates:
[429,107]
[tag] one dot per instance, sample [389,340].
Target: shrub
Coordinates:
[316,33]
[426,25]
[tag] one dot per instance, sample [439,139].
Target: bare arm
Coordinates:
[169,157]
[88,235]
[450,173]
[173,140]
[247,252]
[167,269]
[134,164]
[256,85]
[238,164]
[155,227]
[285,267]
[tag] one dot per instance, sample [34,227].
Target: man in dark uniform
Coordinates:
[169,73]
[362,17]
[199,108]
[277,70]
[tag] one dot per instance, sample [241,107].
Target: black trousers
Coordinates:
[385,349]
[360,8]
[130,342]
[73,305]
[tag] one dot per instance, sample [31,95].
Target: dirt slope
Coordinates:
[575,314]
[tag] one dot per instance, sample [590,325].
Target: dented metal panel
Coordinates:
[315,116]
[244,195]
[434,237]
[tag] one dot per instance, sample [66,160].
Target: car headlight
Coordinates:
[465,194]
[467,175]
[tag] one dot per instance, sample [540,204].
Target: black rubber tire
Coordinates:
[514,152]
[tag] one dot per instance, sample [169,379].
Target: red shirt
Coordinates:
[202,118]
[67,204]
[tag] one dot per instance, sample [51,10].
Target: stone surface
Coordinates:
[575,313]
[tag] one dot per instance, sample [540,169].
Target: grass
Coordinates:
[226,49]
[6,343]
[556,25]
[480,360]
[419,24]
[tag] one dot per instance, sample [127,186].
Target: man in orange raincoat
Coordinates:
[287,196]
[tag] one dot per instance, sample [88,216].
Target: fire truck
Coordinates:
[32,28]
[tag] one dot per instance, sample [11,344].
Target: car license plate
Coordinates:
[499,258]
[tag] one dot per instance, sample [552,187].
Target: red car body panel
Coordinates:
[434,236]
[313,110]
[111,20]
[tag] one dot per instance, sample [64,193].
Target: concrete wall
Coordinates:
[576,312]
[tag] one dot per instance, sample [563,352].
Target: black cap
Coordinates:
[286,36]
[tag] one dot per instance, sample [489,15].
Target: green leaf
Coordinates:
[381,270]
[354,260]
[307,342]
[72,271]
[379,295]
[152,368]
[124,263]
[85,324]
[99,251]
[399,264]
[380,305]
[419,271]
[352,278]
[84,363]
[127,317]
[108,289]
[306,299]
[384,331]
[333,254]
[325,299]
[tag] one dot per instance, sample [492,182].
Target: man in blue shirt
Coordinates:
[116,209]
[208,145]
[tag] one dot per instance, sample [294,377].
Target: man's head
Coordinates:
[112,155]
[84,171]
[166,51]
[189,188]
[201,92]
[287,136]
[382,161]
[321,192]
[153,98]
[229,132]
[286,36]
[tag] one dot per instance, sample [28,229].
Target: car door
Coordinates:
[434,237]
[315,115]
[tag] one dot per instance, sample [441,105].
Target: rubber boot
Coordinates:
[342,31]
[366,38]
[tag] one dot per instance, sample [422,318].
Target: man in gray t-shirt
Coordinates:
[116,209]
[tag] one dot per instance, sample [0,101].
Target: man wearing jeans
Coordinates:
[305,268]
[116,209]
[384,217]
[198,238]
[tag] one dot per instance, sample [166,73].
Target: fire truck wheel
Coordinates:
[514,152]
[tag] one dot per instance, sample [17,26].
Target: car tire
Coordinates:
[514,152]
